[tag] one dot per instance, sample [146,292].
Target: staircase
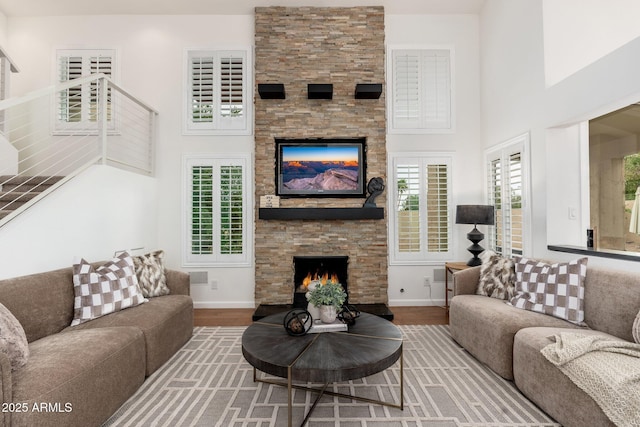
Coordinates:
[95,122]
[16,191]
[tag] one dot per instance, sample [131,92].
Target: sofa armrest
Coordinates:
[178,282]
[6,388]
[466,281]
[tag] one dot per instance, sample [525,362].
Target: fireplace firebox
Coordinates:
[308,268]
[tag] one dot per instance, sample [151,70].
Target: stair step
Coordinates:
[27,183]
[15,199]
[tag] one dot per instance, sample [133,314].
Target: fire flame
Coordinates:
[323,279]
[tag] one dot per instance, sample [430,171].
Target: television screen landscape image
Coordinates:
[320,168]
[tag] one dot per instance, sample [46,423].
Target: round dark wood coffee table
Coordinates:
[370,346]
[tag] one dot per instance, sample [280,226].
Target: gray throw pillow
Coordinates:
[636,329]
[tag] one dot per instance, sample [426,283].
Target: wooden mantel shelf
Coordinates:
[320,213]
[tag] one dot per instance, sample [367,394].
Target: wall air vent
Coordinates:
[319,91]
[271,90]
[368,90]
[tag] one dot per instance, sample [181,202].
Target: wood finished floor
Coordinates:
[242,316]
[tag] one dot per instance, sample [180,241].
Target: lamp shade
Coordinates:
[474,214]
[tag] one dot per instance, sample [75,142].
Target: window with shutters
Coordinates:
[218,96]
[5,68]
[507,191]
[420,91]
[217,210]
[78,106]
[420,216]
[5,72]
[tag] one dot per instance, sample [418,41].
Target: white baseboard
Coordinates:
[224,304]
[416,302]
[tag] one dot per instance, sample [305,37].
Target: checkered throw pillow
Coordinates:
[106,289]
[553,289]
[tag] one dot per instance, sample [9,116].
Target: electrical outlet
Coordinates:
[427,282]
[213,285]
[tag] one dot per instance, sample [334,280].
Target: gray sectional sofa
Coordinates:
[80,375]
[508,340]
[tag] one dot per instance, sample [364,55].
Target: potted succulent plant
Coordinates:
[329,297]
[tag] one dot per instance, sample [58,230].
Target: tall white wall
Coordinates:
[515,99]
[512,70]
[3,30]
[151,57]
[95,214]
[151,60]
[462,33]
[579,32]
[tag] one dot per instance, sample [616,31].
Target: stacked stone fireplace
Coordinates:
[296,47]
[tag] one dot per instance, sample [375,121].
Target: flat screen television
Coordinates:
[320,167]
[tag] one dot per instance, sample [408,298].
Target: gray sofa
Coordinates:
[80,375]
[508,340]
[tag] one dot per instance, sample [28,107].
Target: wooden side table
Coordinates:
[450,268]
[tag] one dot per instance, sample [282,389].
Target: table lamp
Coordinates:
[475,214]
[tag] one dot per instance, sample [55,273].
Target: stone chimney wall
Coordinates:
[297,46]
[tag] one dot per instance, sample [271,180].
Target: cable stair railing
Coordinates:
[49,136]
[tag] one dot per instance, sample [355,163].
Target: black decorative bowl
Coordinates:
[297,322]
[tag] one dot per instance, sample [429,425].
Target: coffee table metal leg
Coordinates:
[290,386]
[290,392]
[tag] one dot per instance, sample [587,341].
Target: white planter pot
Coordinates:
[328,313]
[314,312]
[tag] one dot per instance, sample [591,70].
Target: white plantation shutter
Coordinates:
[216,226]
[99,64]
[437,92]
[515,203]
[70,105]
[407,90]
[496,238]
[421,90]
[408,207]
[201,78]
[231,87]
[231,209]
[218,92]
[506,179]
[437,207]
[201,210]
[5,68]
[421,223]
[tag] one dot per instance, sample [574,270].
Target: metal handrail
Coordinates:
[57,131]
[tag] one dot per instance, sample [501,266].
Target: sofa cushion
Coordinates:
[86,374]
[151,274]
[105,289]
[485,327]
[554,289]
[13,341]
[534,375]
[497,276]
[166,322]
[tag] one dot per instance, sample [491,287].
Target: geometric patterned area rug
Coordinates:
[208,383]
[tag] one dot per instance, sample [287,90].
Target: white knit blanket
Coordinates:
[606,369]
